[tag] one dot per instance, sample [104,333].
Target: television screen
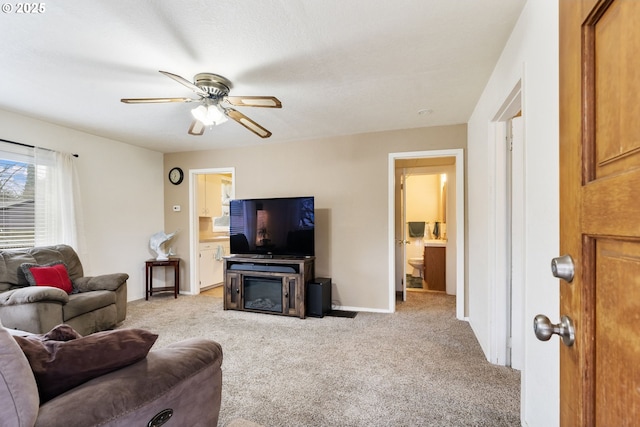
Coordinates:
[277,226]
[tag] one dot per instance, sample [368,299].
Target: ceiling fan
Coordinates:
[213,91]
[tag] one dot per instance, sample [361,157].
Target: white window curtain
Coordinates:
[57,199]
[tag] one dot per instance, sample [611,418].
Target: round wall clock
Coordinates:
[176,176]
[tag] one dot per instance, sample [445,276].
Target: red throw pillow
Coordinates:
[54,274]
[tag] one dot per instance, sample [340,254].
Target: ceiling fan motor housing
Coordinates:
[215,85]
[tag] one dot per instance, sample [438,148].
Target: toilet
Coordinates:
[418,266]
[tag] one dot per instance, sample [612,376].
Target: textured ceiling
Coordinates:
[339,67]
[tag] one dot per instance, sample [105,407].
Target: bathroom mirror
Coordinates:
[443,198]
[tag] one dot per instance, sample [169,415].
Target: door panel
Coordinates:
[617,319]
[600,210]
[614,40]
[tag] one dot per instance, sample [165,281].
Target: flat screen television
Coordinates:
[282,226]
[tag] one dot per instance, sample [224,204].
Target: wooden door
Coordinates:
[600,210]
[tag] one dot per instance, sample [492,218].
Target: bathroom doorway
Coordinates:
[425,217]
[449,162]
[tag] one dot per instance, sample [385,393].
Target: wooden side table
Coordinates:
[171,262]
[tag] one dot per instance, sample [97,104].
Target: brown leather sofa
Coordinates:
[96,303]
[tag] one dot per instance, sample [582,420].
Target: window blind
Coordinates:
[17,199]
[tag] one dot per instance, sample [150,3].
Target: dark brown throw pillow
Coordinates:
[61,332]
[59,366]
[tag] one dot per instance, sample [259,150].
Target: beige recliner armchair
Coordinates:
[95,303]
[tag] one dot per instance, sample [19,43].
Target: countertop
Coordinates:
[436,243]
[215,239]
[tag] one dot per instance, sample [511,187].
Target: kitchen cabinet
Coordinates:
[206,263]
[209,195]
[211,264]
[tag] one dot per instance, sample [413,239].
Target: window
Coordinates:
[17,201]
[36,197]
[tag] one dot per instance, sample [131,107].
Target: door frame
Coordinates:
[458,153]
[194,222]
[401,264]
[503,299]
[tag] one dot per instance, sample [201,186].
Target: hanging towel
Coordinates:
[219,253]
[436,230]
[416,228]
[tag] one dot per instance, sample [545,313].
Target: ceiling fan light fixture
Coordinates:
[212,110]
[209,115]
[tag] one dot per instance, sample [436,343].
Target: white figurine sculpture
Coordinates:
[156,243]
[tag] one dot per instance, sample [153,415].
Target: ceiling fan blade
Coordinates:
[185,82]
[254,101]
[154,100]
[196,128]
[248,123]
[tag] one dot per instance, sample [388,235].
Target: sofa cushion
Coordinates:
[10,272]
[47,254]
[85,302]
[18,390]
[107,282]
[59,366]
[33,294]
[53,274]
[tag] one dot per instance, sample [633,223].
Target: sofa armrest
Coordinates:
[31,294]
[184,377]
[105,282]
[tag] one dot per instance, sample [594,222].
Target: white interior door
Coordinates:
[400,234]
[516,255]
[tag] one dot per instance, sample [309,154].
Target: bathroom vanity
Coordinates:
[435,252]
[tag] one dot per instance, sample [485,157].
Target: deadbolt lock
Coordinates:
[563,268]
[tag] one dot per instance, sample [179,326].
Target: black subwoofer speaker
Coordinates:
[318,297]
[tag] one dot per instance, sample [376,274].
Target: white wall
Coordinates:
[122,195]
[530,56]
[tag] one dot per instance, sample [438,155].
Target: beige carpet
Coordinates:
[239,422]
[417,367]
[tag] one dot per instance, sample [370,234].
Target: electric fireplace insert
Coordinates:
[263,293]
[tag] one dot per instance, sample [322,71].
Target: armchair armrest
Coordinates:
[106,282]
[184,377]
[31,294]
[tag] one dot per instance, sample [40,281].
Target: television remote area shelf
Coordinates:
[273,285]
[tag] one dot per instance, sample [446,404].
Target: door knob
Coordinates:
[543,329]
[562,267]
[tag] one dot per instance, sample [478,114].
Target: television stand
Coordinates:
[274,285]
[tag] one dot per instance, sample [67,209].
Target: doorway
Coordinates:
[424,215]
[209,193]
[436,160]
